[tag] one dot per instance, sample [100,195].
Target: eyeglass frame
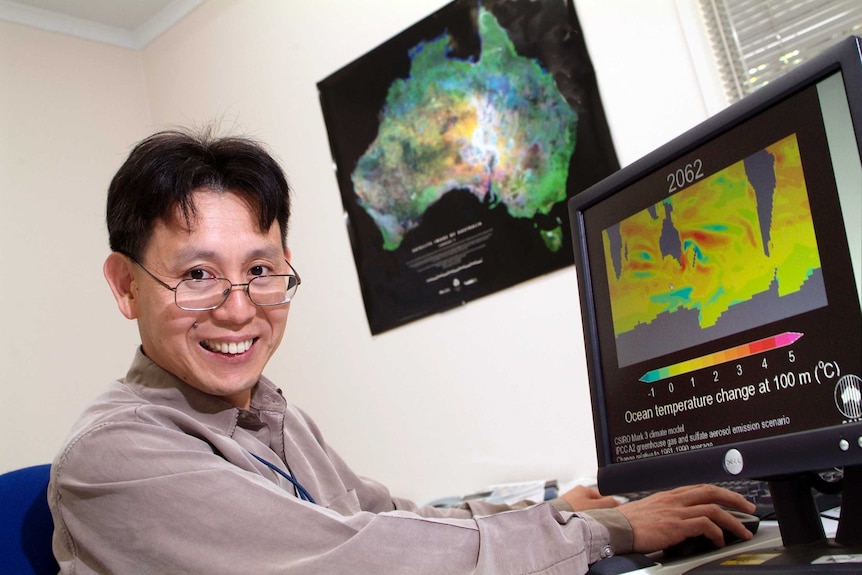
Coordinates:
[227,293]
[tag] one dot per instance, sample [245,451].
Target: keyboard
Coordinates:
[757,491]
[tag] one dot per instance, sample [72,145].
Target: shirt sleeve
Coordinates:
[377,497]
[127,497]
[619,528]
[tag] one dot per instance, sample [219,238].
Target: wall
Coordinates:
[493,391]
[69,109]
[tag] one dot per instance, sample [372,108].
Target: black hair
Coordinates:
[164,170]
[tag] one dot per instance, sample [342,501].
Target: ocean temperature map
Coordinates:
[497,127]
[741,234]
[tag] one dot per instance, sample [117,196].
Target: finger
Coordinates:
[704,526]
[671,516]
[583,492]
[603,502]
[733,500]
[734,525]
[700,494]
[719,519]
[590,492]
[582,498]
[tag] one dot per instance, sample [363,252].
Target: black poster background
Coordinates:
[480,249]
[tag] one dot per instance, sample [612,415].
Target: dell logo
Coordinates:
[733,462]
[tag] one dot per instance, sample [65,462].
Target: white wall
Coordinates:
[493,391]
[69,109]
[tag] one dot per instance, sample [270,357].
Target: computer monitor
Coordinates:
[720,292]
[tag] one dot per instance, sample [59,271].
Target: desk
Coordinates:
[768,537]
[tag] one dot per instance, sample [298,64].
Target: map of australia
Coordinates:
[738,246]
[496,127]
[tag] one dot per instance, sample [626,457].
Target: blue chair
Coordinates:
[26,526]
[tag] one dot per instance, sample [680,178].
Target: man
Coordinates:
[196,463]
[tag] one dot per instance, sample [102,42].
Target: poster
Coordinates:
[456,145]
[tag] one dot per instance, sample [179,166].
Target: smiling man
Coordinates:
[216,342]
[194,462]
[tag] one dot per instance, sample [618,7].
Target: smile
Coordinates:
[232,348]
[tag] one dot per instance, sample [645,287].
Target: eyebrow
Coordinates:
[190,253]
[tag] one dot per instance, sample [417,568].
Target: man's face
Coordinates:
[196,346]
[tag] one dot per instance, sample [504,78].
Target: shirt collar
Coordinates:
[161,387]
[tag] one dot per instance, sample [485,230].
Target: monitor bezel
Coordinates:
[815,449]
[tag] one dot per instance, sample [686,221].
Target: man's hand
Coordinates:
[583,498]
[668,517]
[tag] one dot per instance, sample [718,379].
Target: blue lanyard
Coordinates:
[303,494]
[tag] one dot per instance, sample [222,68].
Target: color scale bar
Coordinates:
[738,352]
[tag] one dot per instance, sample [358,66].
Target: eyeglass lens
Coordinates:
[211,293]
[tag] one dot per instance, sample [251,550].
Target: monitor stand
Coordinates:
[806,548]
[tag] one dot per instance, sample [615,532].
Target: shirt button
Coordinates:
[607,552]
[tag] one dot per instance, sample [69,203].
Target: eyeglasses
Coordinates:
[210,293]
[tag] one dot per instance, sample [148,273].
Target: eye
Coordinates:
[259,270]
[199,274]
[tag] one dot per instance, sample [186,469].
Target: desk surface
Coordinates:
[767,537]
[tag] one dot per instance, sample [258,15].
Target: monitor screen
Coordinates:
[720,290]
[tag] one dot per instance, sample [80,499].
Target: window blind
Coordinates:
[756,41]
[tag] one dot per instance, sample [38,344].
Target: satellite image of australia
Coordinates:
[497,127]
[456,145]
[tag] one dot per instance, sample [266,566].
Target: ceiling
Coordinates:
[127,23]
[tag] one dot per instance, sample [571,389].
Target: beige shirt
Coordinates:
[158,477]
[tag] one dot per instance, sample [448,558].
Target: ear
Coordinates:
[118,272]
[287,254]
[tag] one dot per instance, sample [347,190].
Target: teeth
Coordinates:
[232,348]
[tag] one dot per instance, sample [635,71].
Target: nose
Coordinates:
[237,308]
